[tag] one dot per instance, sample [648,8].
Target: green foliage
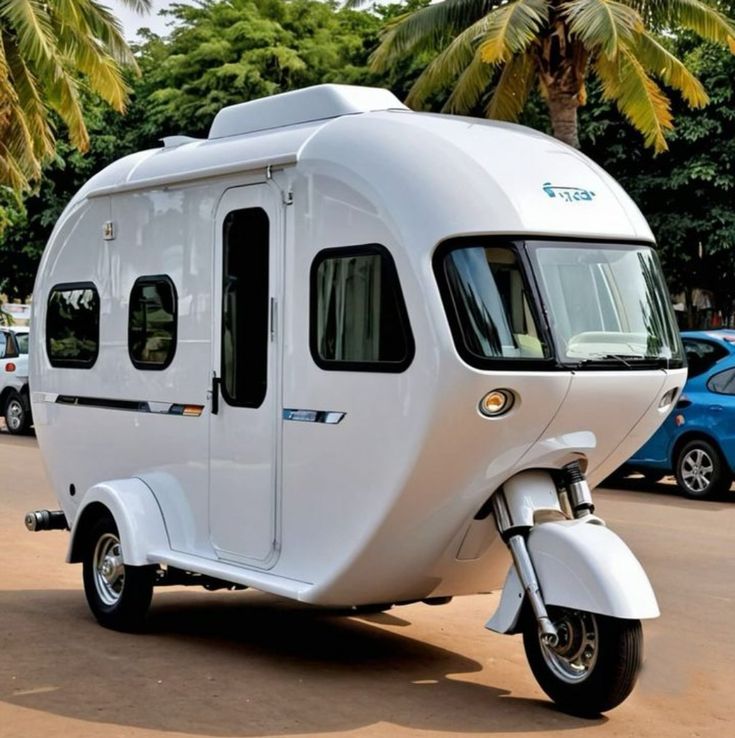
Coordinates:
[687,195]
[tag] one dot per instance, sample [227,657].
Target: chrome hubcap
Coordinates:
[697,469]
[575,656]
[14,414]
[109,570]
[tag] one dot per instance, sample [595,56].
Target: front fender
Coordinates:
[581,565]
[137,515]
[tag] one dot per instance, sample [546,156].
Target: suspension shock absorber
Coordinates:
[579,491]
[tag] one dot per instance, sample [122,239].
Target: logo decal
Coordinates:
[568,194]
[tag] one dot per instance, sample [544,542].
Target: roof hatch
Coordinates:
[301,106]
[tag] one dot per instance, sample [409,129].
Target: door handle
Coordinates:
[216,382]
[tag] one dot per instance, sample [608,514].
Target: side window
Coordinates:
[358,317]
[152,322]
[7,346]
[723,383]
[73,325]
[702,355]
[245,307]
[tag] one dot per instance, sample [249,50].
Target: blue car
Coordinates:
[696,443]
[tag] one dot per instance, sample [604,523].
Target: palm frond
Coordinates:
[470,86]
[705,20]
[511,28]
[25,87]
[661,62]
[513,88]
[602,24]
[637,96]
[429,28]
[31,24]
[447,66]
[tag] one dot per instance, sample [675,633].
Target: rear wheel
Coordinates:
[701,471]
[17,415]
[118,595]
[595,665]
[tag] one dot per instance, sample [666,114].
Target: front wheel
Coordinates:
[595,665]
[118,595]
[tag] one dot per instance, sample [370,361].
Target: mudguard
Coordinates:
[137,515]
[581,565]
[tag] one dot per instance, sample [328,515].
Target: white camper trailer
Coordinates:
[358,356]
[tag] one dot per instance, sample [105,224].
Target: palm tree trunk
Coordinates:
[563,114]
[562,63]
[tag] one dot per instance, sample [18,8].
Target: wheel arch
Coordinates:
[695,435]
[137,515]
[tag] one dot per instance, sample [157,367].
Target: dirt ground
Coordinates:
[249,664]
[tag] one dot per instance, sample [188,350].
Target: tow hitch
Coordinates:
[46,520]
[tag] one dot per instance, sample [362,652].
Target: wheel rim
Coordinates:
[697,470]
[574,658]
[14,417]
[109,570]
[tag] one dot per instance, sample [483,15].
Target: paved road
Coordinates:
[248,664]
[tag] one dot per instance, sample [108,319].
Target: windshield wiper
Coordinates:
[630,361]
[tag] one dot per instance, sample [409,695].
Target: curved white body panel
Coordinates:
[582,565]
[382,506]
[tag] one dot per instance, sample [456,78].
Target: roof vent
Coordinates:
[302,106]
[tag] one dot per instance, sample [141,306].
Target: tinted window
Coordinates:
[7,346]
[702,355]
[723,383]
[73,325]
[22,340]
[358,316]
[488,305]
[152,323]
[245,307]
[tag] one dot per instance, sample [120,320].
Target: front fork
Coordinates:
[515,507]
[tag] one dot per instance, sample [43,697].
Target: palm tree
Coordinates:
[505,46]
[51,50]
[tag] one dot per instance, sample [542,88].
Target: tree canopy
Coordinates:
[50,53]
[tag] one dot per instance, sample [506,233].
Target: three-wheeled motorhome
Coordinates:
[357,356]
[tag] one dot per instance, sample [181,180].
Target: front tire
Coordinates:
[118,595]
[594,667]
[17,415]
[701,472]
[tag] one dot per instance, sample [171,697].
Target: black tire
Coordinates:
[17,414]
[120,597]
[584,687]
[701,472]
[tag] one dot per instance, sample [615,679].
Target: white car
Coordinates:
[14,399]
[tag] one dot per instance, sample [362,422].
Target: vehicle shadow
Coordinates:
[249,664]
[666,488]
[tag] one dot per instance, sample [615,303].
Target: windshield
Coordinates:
[603,304]
[606,303]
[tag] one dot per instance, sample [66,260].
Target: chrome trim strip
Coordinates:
[140,406]
[330,417]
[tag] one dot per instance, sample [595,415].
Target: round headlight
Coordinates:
[496,402]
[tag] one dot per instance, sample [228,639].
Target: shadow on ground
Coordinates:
[667,488]
[248,664]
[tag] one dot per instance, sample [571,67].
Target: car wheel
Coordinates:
[17,416]
[118,595]
[701,471]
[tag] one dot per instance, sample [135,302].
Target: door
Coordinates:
[244,421]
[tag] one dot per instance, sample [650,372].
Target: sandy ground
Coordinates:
[248,664]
